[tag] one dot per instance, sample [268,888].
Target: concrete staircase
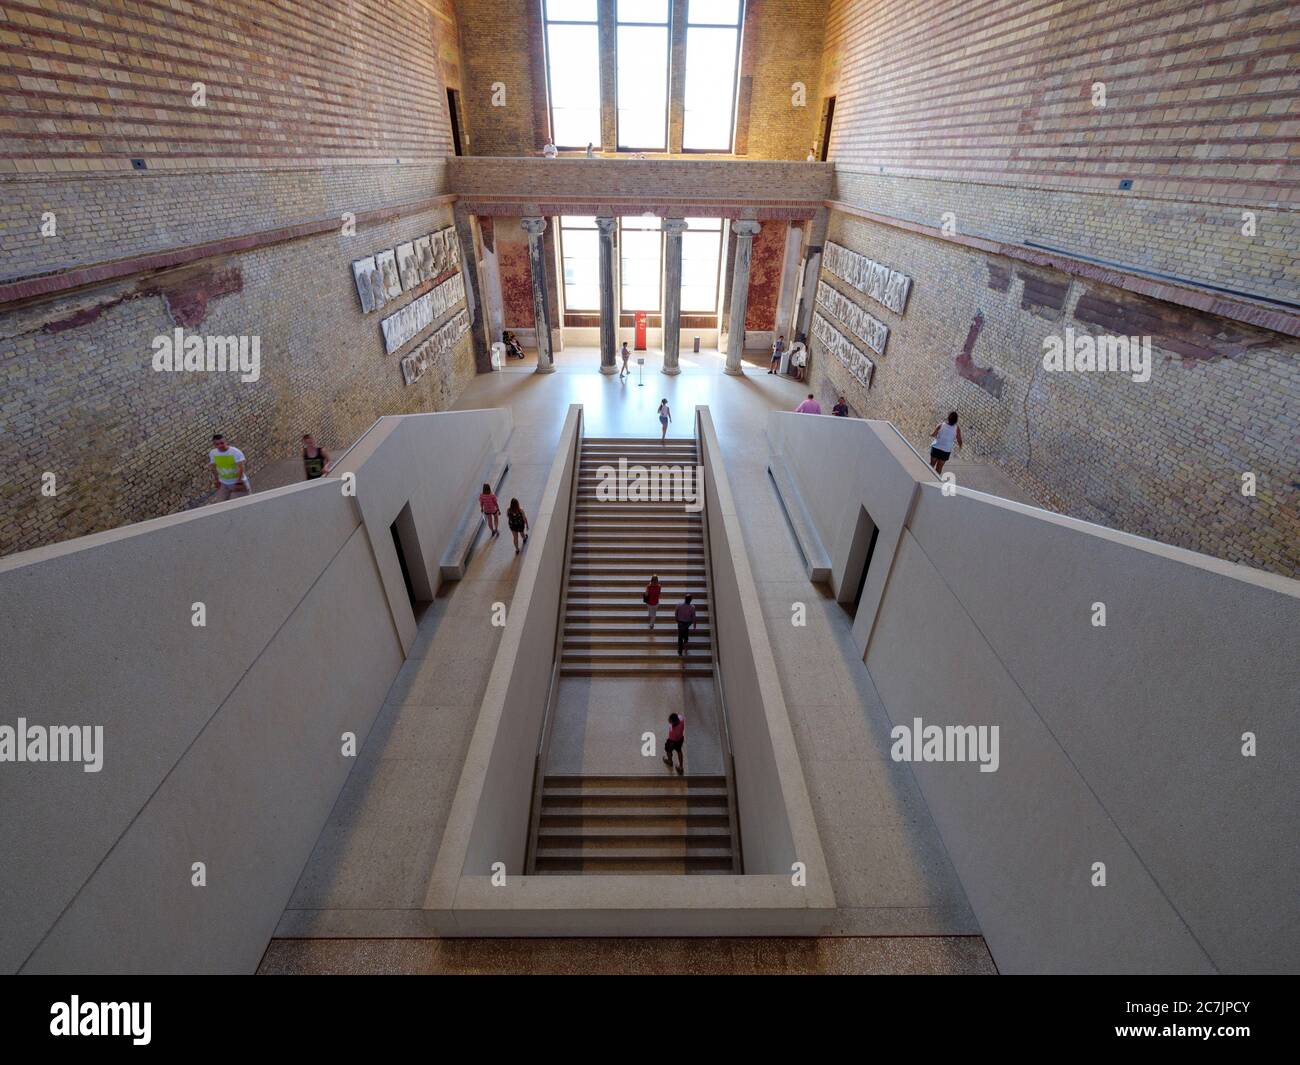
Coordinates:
[616,546]
[635,824]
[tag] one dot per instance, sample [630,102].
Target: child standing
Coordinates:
[487,503]
[676,737]
[518,522]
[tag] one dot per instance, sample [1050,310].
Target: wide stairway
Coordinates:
[617,544]
[634,824]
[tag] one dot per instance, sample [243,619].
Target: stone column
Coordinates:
[535,227]
[745,231]
[608,307]
[672,321]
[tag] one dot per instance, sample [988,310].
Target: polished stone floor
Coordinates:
[600,723]
[890,872]
[842,956]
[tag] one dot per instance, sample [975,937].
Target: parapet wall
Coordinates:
[1160,743]
[226,743]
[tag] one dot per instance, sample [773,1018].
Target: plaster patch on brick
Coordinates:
[185,294]
[1196,337]
[1044,294]
[984,376]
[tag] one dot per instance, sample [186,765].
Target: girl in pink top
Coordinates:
[487,503]
[676,737]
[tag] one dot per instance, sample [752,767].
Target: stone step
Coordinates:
[623,821]
[635,850]
[590,865]
[675,668]
[646,801]
[642,840]
[623,781]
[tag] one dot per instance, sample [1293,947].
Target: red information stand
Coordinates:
[640,330]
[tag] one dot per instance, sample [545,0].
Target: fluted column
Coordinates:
[535,227]
[745,231]
[608,311]
[672,321]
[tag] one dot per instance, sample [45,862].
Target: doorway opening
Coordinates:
[406,542]
[824,130]
[453,110]
[861,550]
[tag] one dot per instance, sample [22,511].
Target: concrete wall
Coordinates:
[489,818]
[776,820]
[1119,744]
[434,462]
[488,822]
[222,743]
[840,465]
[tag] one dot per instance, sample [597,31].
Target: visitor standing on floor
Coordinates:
[229,469]
[315,460]
[665,416]
[778,349]
[841,409]
[624,354]
[809,406]
[491,508]
[798,358]
[651,599]
[686,619]
[676,737]
[945,436]
[517,520]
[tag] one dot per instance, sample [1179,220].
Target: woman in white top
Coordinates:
[798,359]
[665,416]
[945,435]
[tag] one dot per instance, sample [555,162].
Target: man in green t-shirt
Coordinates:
[228,471]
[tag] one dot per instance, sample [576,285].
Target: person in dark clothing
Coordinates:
[841,409]
[686,620]
[315,460]
[517,520]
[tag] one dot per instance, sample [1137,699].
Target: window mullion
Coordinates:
[607,19]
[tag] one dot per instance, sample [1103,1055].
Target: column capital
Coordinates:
[606,223]
[534,227]
[674,226]
[745,227]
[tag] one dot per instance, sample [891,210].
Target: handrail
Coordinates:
[933,476]
[553,689]
[724,728]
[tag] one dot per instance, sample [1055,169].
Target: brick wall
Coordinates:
[88,86]
[782,46]
[647,180]
[309,109]
[501,45]
[501,41]
[981,117]
[1198,95]
[1162,459]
